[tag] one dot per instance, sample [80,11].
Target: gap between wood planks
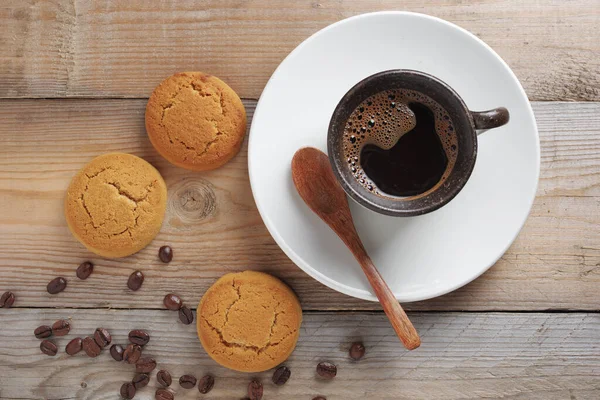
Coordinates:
[357,311]
[256,99]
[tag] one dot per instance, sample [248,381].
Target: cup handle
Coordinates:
[491,118]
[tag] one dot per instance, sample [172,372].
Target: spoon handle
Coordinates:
[392,308]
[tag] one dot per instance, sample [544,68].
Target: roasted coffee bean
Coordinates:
[172,302]
[102,337]
[255,390]
[139,337]
[140,380]
[326,370]
[319,398]
[135,280]
[163,378]
[56,285]
[116,352]
[281,375]
[90,347]
[185,315]
[42,332]
[84,270]
[187,381]
[48,347]
[74,346]
[145,365]
[132,353]
[128,390]
[61,327]
[7,300]
[163,394]
[206,383]
[165,253]
[357,351]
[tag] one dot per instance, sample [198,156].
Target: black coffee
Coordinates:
[400,143]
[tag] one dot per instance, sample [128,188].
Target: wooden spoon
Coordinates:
[321,191]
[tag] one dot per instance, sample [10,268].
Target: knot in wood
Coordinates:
[192,201]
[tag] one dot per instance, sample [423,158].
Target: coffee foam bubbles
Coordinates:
[383,119]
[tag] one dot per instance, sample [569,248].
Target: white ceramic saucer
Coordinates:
[420,257]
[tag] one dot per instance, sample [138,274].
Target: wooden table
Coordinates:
[74,79]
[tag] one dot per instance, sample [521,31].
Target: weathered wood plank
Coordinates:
[123,49]
[463,356]
[214,227]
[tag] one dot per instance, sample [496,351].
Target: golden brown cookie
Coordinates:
[115,204]
[195,121]
[249,321]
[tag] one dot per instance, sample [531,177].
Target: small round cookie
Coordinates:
[249,321]
[195,121]
[115,204]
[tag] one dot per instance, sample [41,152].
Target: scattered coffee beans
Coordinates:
[90,347]
[145,365]
[84,270]
[140,380]
[163,394]
[56,285]
[74,346]
[116,352]
[139,337]
[187,381]
[165,253]
[357,351]
[102,337]
[163,378]
[185,315]
[326,370]
[48,347]
[135,280]
[42,332]
[132,353]
[255,390]
[172,302]
[127,390]
[281,375]
[206,383]
[61,327]
[7,300]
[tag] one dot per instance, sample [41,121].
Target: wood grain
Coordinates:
[463,356]
[214,227]
[74,48]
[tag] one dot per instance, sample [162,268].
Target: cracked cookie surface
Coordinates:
[115,204]
[195,121]
[249,321]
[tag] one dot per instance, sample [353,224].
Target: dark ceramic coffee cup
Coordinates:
[467,124]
